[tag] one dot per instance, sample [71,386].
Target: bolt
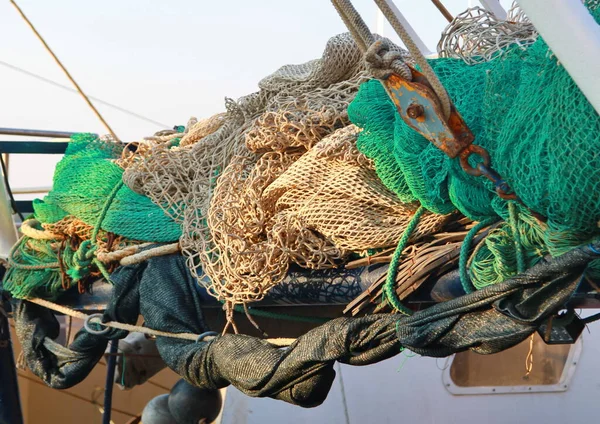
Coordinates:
[415,110]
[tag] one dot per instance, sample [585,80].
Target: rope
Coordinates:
[417,55]
[440,6]
[13,264]
[377,53]
[280,342]
[85,97]
[28,228]
[513,216]
[465,280]
[166,249]
[118,255]
[85,255]
[355,24]
[390,282]
[105,209]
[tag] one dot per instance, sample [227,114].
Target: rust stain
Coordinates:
[456,135]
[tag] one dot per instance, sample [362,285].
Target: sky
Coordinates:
[165,60]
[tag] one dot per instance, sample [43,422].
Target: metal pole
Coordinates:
[10,402]
[111,363]
[8,230]
[573,36]
[495,8]
[440,6]
[36,133]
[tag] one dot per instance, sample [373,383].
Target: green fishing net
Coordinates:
[543,137]
[87,182]
[83,182]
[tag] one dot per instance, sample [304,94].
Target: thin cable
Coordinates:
[343,390]
[39,36]
[72,90]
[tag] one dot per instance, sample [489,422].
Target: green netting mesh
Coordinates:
[541,132]
[83,181]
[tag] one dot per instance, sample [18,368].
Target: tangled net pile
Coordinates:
[478,36]
[279,182]
[318,167]
[87,217]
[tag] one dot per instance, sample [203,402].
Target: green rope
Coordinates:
[102,268]
[85,256]
[33,263]
[513,217]
[105,209]
[465,280]
[390,282]
[276,315]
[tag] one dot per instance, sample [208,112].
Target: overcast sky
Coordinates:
[166,60]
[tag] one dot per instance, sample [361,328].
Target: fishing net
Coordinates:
[84,181]
[88,215]
[312,209]
[177,177]
[282,177]
[540,131]
[478,36]
[279,181]
[51,258]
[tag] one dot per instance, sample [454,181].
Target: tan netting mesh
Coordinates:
[75,229]
[275,180]
[312,209]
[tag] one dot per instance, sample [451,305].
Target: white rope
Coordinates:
[166,249]
[278,342]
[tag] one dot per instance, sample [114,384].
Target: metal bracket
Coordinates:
[562,328]
[419,107]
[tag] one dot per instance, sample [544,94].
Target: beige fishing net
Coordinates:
[275,180]
[477,36]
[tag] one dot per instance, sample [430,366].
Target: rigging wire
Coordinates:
[57,60]
[72,90]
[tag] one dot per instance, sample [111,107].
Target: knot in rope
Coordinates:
[82,261]
[382,61]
